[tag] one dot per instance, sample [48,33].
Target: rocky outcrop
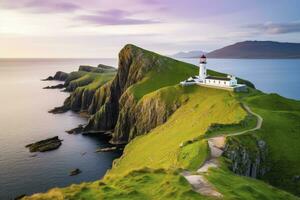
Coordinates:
[99,69]
[247,155]
[58,86]
[59,76]
[45,145]
[76,130]
[101,95]
[79,100]
[75,172]
[82,95]
[133,66]
[118,109]
[139,118]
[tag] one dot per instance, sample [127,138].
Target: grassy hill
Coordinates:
[281,132]
[170,123]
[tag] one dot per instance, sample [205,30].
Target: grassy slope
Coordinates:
[167,72]
[161,147]
[146,184]
[240,188]
[281,132]
[90,80]
[129,179]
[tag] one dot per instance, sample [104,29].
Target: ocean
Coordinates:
[24,119]
[268,75]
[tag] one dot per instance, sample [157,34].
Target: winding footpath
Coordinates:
[216,145]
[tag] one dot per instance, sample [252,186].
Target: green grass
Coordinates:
[166,72]
[75,75]
[281,131]
[160,148]
[192,155]
[248,122]
[91,81]
[138,174]
[239,187]
[148,168]
[170,73]
[144,184]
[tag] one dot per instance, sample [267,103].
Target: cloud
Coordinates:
[40,6]
[276,28]
[113,17]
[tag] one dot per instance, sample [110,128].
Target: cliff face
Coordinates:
[125,110]
[136,118]
[126,105]
[248,156]
[84,85]
[133,101]
[132,68]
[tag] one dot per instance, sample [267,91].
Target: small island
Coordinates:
[45,145]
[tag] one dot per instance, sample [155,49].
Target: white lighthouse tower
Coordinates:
[202,68]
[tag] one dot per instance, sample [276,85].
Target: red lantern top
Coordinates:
[203,59]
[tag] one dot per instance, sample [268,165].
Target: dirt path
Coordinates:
[216,145]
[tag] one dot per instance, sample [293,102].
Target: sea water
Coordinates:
[24,119]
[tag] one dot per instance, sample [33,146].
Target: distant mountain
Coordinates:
[258,49]
[189,54]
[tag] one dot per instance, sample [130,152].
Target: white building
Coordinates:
[229,82]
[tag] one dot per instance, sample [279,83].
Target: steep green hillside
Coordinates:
[281,131]
[161,147]
[167,126]
[163,185]
[83,84]
[175,145]
[140,72]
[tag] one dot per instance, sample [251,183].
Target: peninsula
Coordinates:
[183,142]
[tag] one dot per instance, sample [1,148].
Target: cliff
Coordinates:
[145,97]
[248,156]
[140,72]
[83,85]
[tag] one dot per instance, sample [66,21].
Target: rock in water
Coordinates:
[58,110]
[45,145]
[59,76]
[75,172]
[76,130]
[107,149]
[50,78]
[59,86]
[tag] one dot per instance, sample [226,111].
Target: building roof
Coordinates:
[203,56]
[218,78]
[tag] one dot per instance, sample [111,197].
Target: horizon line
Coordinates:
[54,58]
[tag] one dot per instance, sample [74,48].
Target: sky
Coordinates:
[100,28]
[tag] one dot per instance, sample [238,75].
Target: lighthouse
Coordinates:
[202,68]
[210,81]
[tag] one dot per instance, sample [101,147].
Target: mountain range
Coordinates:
[251,50]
